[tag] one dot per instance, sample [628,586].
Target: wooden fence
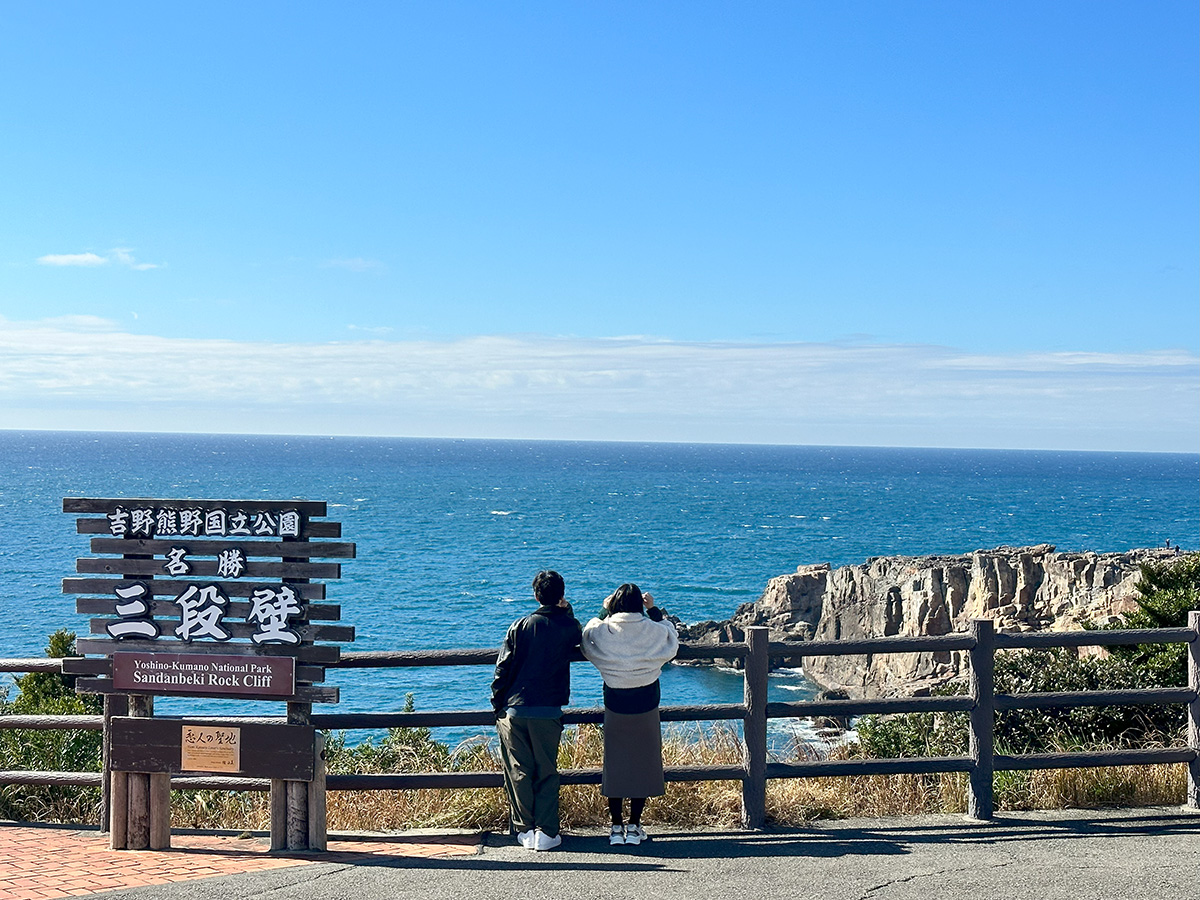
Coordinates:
[981,702]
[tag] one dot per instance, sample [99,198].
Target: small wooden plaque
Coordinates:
[210,748]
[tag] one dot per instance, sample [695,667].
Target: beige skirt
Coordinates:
[632,755]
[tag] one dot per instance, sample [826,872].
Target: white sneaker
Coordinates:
[616,836]
[543,841]
[525,839]
[635,834]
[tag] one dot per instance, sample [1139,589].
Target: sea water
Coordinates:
[450,533]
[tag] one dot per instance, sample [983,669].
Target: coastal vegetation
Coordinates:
[1167,592]
[59,750]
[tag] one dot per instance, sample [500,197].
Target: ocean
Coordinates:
[450,533]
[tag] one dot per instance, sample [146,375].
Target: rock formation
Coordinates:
[1021,588]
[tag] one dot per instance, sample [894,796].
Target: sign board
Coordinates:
[189,747]
[207,598]
[203,673]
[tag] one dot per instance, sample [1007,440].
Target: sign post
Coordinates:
[208,598]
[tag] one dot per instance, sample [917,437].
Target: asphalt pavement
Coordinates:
[1144,854]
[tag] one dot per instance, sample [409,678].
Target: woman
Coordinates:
[629,643]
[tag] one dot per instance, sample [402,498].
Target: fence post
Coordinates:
[983,720]
[754,729]
[1193,658]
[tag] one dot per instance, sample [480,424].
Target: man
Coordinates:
[531,685]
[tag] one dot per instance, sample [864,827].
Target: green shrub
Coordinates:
[48,693]
[404,750]
[1167,592]
[916,734]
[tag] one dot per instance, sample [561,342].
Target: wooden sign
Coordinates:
[204,673]
[178,746]
[207,598]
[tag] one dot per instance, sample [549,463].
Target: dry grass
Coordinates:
[795,801]
[711,804]
[1093,788]
[233,810]
[49,803]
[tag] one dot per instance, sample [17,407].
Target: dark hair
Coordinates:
[626,598]
[548,588]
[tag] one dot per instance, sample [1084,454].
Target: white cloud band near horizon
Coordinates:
[85,373]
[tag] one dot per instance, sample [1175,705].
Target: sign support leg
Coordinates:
[118,822]
[317,834]
[137,828]
[279,798]
[160,810]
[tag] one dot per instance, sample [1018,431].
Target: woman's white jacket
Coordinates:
[629,648]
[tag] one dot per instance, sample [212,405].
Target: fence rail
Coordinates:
[981,703]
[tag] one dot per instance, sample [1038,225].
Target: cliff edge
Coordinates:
[1021,588]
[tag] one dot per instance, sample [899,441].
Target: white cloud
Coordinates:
[72,259]
[1051,361]
[122,256]
[86,374]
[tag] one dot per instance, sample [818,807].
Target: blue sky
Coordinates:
[886,223]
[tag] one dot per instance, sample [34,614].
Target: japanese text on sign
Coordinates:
[202,611]
[150,522]
[207,748]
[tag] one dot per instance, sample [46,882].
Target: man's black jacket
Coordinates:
[534,666]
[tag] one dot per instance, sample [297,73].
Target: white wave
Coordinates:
[797,728]
[803,730]
[501,512]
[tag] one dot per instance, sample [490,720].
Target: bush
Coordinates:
[1167,593]
[915,734]
[47,693]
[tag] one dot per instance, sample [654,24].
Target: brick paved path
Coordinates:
[38,863]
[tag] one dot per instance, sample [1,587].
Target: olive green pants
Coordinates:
[529,755]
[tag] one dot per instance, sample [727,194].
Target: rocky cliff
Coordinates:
[1021,588]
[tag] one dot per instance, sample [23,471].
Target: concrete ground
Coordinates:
[1107,855]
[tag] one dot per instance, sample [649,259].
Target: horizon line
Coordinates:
[519,440]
